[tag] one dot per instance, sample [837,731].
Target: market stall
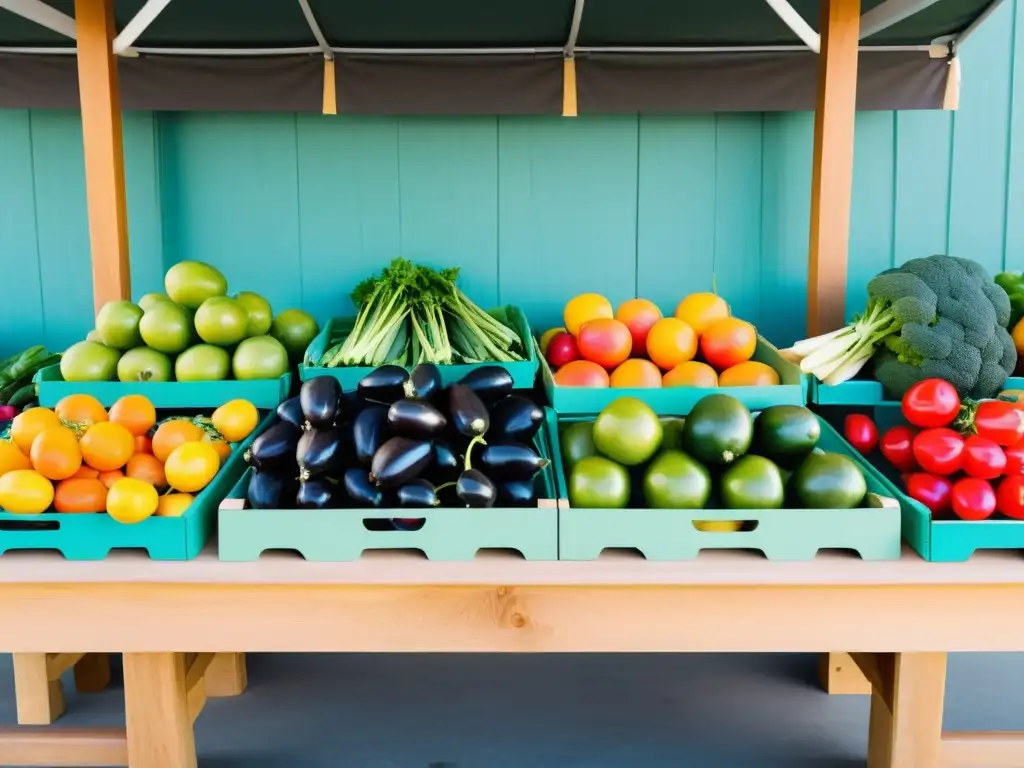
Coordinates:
[566,58]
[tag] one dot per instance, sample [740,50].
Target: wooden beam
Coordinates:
[157,712]
[92,673]
[966,749]
[832,173]
[226,676]
[905,731]
[39,699]
[838,674]
[50,747]
[104,150]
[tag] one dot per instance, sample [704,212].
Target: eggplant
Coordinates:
[291,411]
[384,385]
[274,448]
[517,493]
[320,398]
[319,451]
[408,523]
[515,418]
[475,489]
[469,414]
[360,489]
[399,460]
[417,493]
[446,466]
[315,493]
[490,382]
[511,461]
[265,490]
[369,431]
[424,382]
[416,418]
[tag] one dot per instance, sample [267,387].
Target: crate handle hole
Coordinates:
[622,552]
[394,523]
[500,552]
[29,525]
[725,526]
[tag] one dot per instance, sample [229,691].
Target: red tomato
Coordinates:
[562,350]
[934,492]
[860,431]
[604,341]
[973,499]
[983,458]
[1000,421]
[896,447]
[931,403]
[1014,459]
[939,451]
[1010,497]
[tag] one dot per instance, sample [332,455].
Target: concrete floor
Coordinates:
[564,711]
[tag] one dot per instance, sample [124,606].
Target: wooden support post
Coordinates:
[156,711]
[226,676]
[838,674]
[40,700]
[63,746]
[905,725]
[92,673]
[104,150]
[832,175]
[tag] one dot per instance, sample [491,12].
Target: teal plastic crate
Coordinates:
[587,401]
[524,373]
[862,392]
[939,541]
[873,532]
[263,393]
[92,536]
[342,535]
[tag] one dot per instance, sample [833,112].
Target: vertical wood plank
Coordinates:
[142,181]
[156,712]
[40,700]
[226,675]
[1014,245]
[832,172]
[104,150]
[905,724]
[872,206]
[921,205]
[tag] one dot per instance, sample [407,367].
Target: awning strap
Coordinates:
[569,87]
[951,99]
[330,92]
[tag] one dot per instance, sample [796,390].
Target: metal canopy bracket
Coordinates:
[796,22]
[42,14]
[890,12]
[569,98]
[134,29]
[314,27]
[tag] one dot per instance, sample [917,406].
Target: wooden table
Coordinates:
[897,619]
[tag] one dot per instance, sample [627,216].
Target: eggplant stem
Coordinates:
[441,487]
[469,451]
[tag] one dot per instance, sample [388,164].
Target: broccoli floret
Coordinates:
[937,316]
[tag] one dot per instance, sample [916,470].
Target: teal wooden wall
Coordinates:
[535,210]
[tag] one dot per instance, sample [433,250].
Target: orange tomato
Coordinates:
[584,308]
[222,447]
[109,478]
[86,473]
[699,310]
[80,495]
[235,420]
[143,444]
[728,342]
[80,411]
[107,446]
[691,374]
[1017,334]
[636,373]
[604,341]
[749,374]
[55,453]
[192,466]
[671,342]
[639,315]
[132,501]
[174,504]
[28,424]
[581,373]
[135,413]
[173,433]
[11,458]
[148,468]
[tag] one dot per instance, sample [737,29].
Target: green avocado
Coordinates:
[598,483]
[675,481]
[718,430]
[829,481]
[577,442]
[786,434]
[627,431]
[753,482]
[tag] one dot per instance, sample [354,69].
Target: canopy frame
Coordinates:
[797,23]
[133,29]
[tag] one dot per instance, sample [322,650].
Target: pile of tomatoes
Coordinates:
[81,458]
[964,458]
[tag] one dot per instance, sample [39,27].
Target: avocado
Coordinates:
[829,481]
[675,481]
[753,482]
[672,433]
[718,430]
[577,443]
[598,483]
[786,434]
[627,431]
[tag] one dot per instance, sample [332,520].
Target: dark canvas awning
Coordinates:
[494,57]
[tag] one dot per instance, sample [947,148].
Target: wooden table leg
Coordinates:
[92,673]
[156,711]
[226,676]
[40,700]
[905,727]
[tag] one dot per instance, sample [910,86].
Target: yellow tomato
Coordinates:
[25,492]
[131,501]
[1018,337]
[11,458]
[28,424]
[718,526]
[236,420]
[585,307]
[192,466]
[174,504]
